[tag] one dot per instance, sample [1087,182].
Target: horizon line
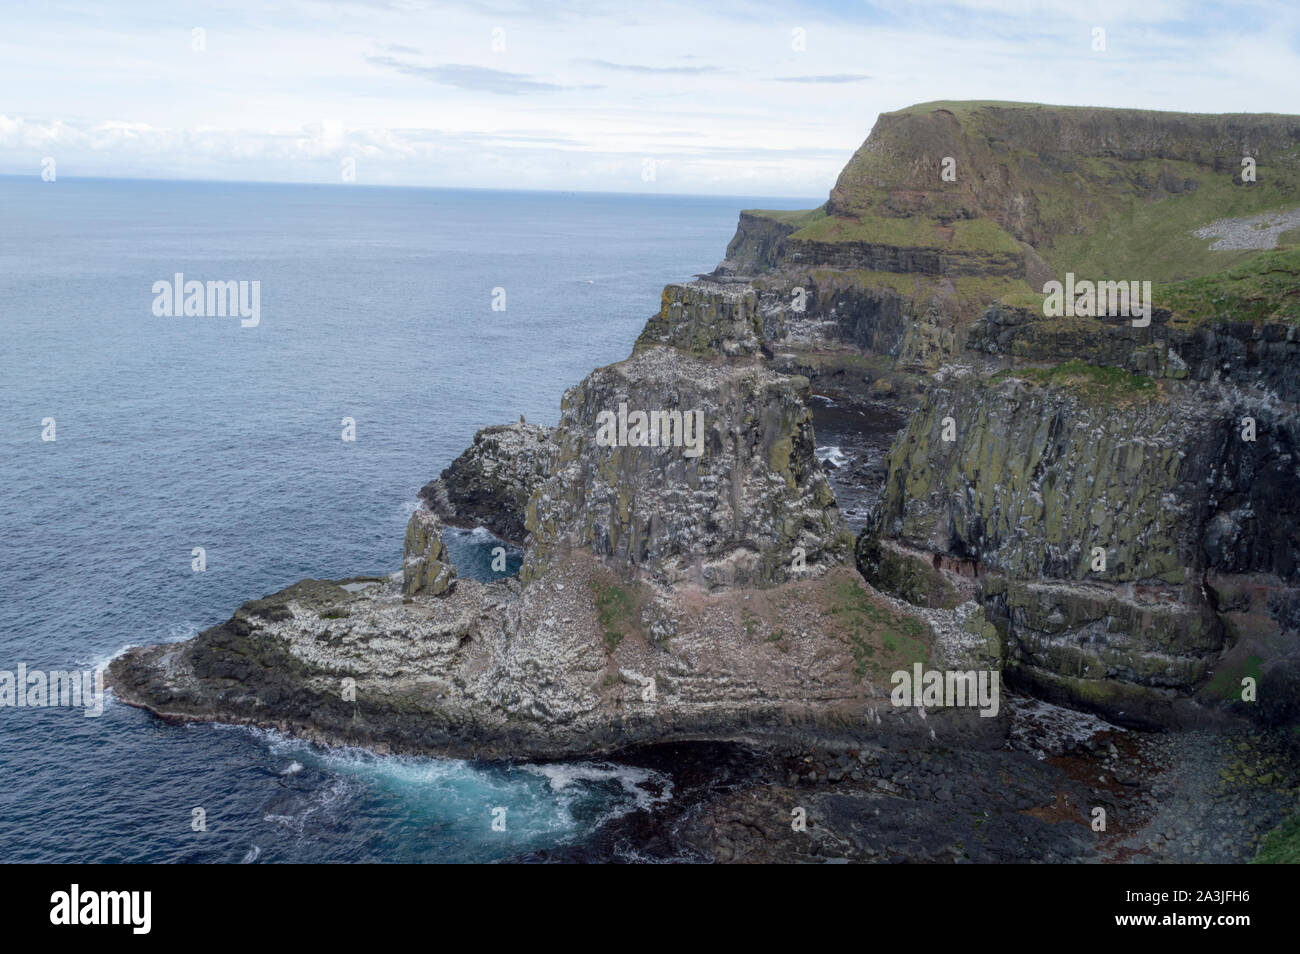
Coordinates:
[379,185]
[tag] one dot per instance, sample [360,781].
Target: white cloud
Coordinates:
[582,93]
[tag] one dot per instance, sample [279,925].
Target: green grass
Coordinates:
[1265,288]
[1136,238]
[798,219]
[1281,846]
[1226,683]
[1053,172]
[616,610]
[1095,381]
[913,231]
[900,639]
[1024,298]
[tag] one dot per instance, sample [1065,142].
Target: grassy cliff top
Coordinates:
[1108,194]
[913,231]
[1102,192]
[1264,289]
[972,108]
[1102,384]
[797,218]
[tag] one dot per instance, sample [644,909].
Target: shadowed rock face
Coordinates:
[425,567]
[1261,356]
[758,245]
[1043,466]
[490,483]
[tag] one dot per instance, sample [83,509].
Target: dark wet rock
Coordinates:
[490,483]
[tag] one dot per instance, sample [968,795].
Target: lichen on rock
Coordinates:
[489,484]
[749,507]
[425,567]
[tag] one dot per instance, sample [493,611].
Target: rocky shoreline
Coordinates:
[1205,796]
[863,448]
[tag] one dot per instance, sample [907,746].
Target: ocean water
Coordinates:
[179,432]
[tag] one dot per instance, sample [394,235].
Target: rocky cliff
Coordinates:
[1071,497]
[1114,492]
[490,483]
[949,208]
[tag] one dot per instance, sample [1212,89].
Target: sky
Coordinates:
[706,97]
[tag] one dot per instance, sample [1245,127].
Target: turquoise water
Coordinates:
[175,433]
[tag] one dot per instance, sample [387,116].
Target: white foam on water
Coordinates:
[292,769]
[253,854]
[833,454]
[176,633]
[639,784]
[573,799]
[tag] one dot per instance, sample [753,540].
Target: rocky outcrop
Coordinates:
[573,663]
[684,577]
[741,500]
[758,245]
[706,318]
[490,483]
[1072,499]
[1262,356]
[425,566]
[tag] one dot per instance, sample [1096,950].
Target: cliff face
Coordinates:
[490,483]
[949,208]
[737,508]
[1167,448]
[425,566]
[1046,471]
[1073,498]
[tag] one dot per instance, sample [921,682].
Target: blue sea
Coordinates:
[172,433]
